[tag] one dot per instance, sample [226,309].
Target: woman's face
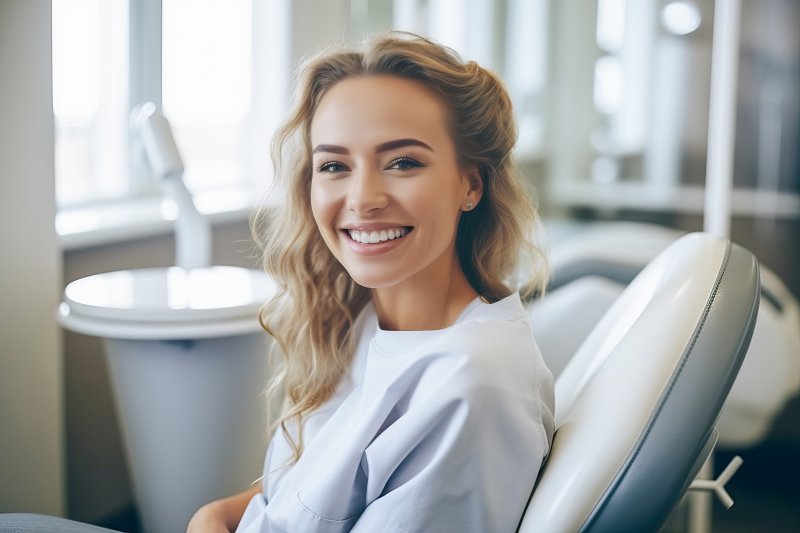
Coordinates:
[387,190]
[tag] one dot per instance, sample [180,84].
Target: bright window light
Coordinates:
[611,25]
[207,86]
[193,57]
[90,98]
[609,85]
[681,17]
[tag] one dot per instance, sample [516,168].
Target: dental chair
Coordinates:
[636,405]
[591,268]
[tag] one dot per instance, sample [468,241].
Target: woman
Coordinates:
[415,396]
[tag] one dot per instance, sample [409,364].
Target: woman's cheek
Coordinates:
[319,200]
[319,209]
[325,211]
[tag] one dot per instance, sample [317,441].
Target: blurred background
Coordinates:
[612,102]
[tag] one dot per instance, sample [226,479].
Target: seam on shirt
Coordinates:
[541,406]
[322,518]
[548,440]
[540,403]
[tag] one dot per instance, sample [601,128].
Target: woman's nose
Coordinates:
[367,192]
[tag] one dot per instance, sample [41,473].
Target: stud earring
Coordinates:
[469,205]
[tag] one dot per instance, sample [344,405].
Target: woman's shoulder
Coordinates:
[498,330]
[492,345]
[495,363]
[489,345]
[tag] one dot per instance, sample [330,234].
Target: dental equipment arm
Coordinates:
[192,229]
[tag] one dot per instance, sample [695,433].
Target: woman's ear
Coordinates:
[473,187]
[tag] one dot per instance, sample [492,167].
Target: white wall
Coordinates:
[31,376]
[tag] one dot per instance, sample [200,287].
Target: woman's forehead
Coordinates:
[373,109]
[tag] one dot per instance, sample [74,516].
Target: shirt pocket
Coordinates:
[321,523]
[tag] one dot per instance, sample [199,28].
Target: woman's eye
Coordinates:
[404,163]
[332,167]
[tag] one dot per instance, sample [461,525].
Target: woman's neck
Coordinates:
[431,299]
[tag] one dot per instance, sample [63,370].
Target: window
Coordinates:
[207,87]
[197,60]
[90,99]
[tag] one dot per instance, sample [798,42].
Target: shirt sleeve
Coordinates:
[463,457]
[253,517]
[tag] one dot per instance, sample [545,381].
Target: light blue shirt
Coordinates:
[439,430]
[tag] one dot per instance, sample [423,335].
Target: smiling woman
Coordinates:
[415,398]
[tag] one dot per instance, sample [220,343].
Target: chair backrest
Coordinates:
[637,404]
[590,269]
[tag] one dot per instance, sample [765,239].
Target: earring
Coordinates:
[469,205]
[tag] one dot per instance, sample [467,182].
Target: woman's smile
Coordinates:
[376,241]
[375,236]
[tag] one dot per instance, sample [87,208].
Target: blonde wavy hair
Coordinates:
[312,314]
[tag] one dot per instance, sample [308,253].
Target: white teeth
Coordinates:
[373,237]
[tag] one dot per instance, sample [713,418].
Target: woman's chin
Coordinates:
[373,280]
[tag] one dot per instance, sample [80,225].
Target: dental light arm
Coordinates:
[192,229]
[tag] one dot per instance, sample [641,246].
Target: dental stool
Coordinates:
[636,405]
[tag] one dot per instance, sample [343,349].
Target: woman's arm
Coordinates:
[223,515]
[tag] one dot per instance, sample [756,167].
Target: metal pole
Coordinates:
[701,503]
[722,117]
[719,176]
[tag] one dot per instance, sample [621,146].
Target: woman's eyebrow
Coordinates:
[400,143]
[383,147]
[331,148]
